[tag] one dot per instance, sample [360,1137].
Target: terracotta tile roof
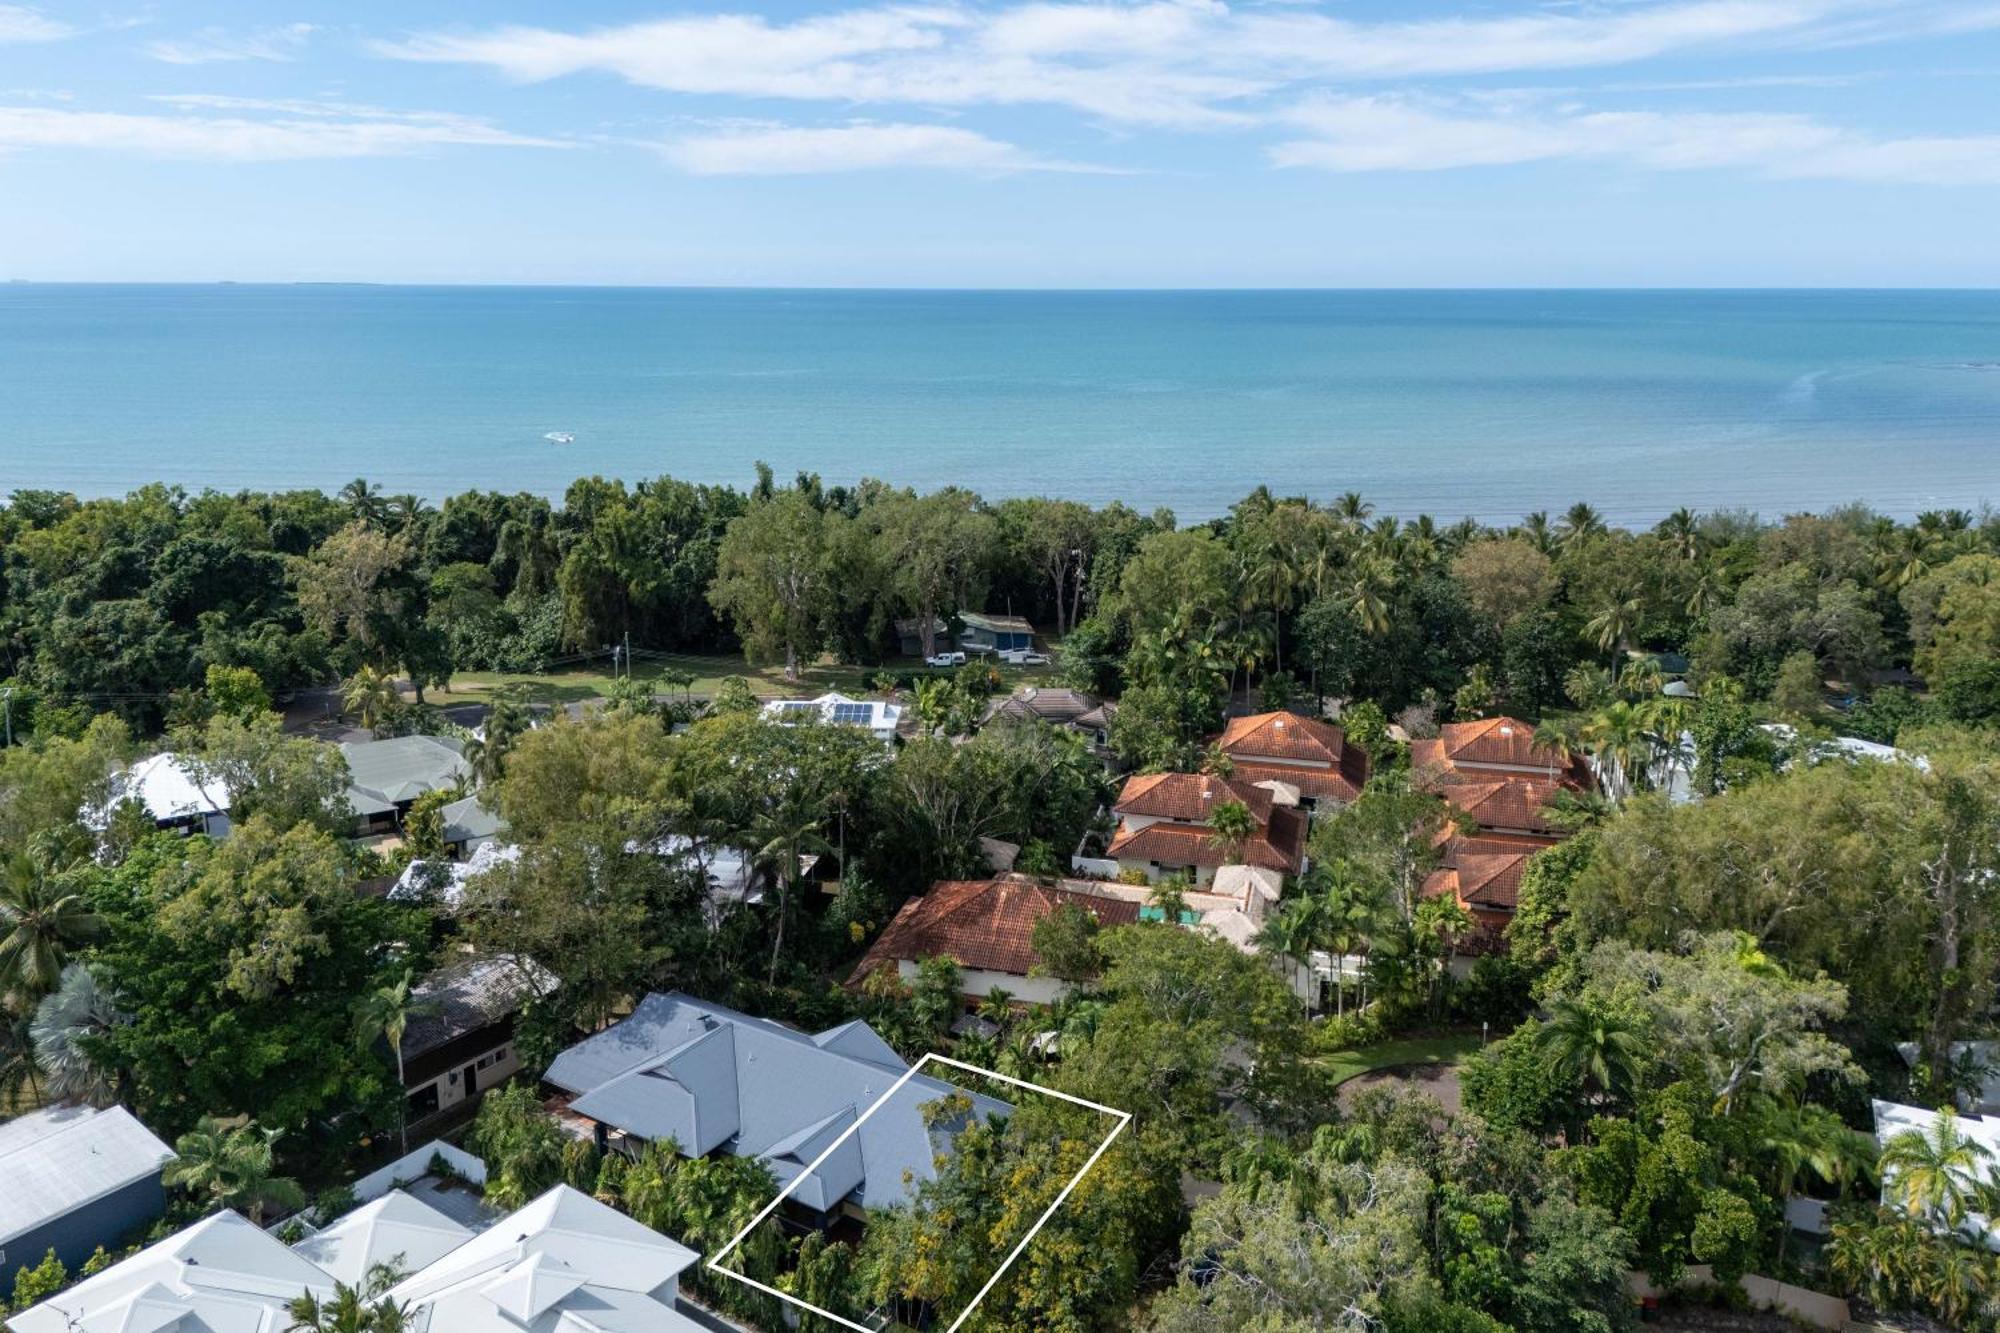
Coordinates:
[1284,735]
[1323,784]
[1506,805]
[1188,796]
[987,924]
[1279,845]
[1482,872]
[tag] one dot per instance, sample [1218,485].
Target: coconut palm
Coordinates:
[1579,522]
[1612,626]
[1535,527]
[1295,929]
[1351,510]
[384,1013]
[360,1309]
[232,1167]
[76,1010]
[43,917]
[1231,827]
[1681,531]
[1584,1043]
[370,694]
[1618,741]
[1934,1173]
[784,837]
[364,500]
[1368,592]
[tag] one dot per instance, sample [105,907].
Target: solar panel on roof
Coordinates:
[853,714]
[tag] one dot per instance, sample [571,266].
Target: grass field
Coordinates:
[574,685]
[1447,1050]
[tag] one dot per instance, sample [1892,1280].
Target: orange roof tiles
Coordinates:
[985,924]
[1278,845]
[1188,796]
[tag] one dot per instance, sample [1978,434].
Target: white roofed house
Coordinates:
[73,1178]
[879,718]
[174,793]
[564,1263]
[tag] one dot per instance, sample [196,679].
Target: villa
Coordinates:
[1085,714]
[385,777]
[714,1080]
[1164,827]
[1304,753]
[987,927]
[173,793]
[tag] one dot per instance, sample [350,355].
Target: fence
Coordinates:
[1809,1307]
[417,1163]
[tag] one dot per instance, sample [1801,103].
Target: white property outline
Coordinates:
[1124,1119]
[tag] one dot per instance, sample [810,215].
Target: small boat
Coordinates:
[560,437]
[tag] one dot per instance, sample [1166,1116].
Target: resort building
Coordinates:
[1500,785]
[73,1178]
[1295,751]
[1164,827]
[878,718]
[987,927]
[714,1080]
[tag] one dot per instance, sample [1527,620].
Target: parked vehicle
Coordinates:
[1023,657]
[945,660]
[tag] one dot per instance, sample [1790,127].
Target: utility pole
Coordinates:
[7,706]
[628,654]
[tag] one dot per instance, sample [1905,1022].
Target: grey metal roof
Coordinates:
[385,773]
[468,819]
[55,1161]
[641,1076]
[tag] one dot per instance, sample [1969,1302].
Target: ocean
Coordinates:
[1452,403]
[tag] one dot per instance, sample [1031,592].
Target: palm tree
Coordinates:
[1612,626]
[1231,826]
[1535,527]
[370,694]
[232,1167]
[1618,741]
[349,1310]
[1579,522]
[20,1076]
[77,1009]
[1294,930]
[1681,530]
[1934,1173]
[998,1008]
[1589,1045]
[1367,593]
[42,918]
[487,753]
[1351,510]
[785,836]
[364,500]
[384,1013]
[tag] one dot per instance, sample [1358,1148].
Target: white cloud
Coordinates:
[241,139]
[1169,62]
[1404,134]
[21,24]
[790,150]
[217,44]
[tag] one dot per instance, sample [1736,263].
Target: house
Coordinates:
[1164,829]
[445,881]
[470,825]
[987,927]
[714,1080]
[564,1263]
[173,792]
[910,636]
[1298,751]
[460,1042]
[385,777]
[73,1178]
[879,718]
[221,1275]
[1501,785]
[1083,713]
[994,634]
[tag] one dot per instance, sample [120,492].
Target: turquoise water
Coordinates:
[1452,403]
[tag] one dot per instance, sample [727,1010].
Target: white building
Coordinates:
[1893,1118]
[563,1264]
[172,792]
[880,719]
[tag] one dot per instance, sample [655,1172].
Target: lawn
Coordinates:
[1446,1050]
[576,685]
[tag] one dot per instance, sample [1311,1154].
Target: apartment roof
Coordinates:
[563,1264]
[1278,845]
[1284,735]
[986,924]
[221,1275]
[1189,796]
[55,1161]
[1482,872]
[1512,804]
[1322,784]
[714,1078]
[398,1229]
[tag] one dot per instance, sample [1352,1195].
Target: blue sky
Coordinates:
[1178,143]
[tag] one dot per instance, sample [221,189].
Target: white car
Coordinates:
[1023,657]
[945,660]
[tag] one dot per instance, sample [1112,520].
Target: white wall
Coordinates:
[976,982]
[417,1163]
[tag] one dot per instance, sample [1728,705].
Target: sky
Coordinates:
[1021,143]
